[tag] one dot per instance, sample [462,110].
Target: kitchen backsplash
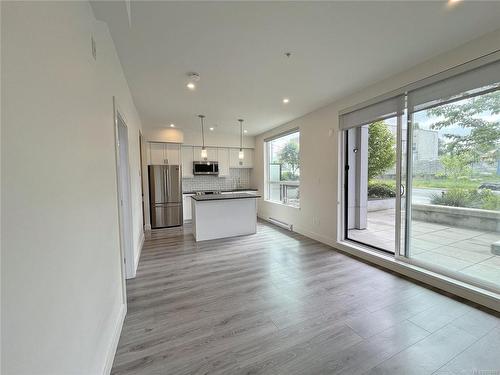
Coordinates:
[238,178]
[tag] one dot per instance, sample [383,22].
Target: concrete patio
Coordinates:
[467,251]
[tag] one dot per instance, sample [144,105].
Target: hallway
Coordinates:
[280,303]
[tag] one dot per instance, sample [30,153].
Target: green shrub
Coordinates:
[380,190]
[454,197]
[469,198]
[491,201]
[289,176]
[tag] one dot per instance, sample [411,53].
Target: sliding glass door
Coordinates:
[422,175]
[372,184]
[372,180]
[455,178]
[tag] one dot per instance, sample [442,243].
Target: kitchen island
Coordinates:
[224,215]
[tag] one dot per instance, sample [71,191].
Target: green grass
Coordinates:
[443,182]
[447,183]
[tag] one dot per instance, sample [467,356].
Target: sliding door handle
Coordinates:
[402,190]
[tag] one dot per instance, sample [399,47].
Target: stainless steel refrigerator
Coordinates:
[165,195]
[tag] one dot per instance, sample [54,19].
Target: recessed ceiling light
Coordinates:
[193,78]
[172,125]
[245,131]
[452,3]
[286,100]
[211,129]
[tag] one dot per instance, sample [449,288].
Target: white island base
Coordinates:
[224,217]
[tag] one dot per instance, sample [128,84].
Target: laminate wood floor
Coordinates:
[280,303]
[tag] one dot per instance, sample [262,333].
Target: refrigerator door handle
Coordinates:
[167,185]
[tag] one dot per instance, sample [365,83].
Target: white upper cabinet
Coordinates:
[157,153]
[211,154]
[235,162]
[223,159]
[164,153]
[173,153]
[248,160]
[187,162]
[197,153]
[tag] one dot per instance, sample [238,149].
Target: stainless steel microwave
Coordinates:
[206,167]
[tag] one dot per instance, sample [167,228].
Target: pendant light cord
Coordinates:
[202,130]
[241,134]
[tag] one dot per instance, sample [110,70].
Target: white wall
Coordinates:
[62,295]
[116,85]
[319,147]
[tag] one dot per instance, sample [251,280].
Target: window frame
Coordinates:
[403,256]
[267,183]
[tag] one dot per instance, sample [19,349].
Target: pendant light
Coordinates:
[241,155]
[203,148]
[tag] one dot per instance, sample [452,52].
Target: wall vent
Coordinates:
[281,224]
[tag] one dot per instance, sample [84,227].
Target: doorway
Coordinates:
[124,195]
[371,181]
[141,156]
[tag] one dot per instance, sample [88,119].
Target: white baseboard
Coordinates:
[306,233]
[141,244]
[110,355]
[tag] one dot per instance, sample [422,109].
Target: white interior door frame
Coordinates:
[123,190]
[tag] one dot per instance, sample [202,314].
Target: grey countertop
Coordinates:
[222,191]
[220,197]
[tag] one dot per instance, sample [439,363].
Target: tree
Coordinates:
[381,151]
[289,158]
[457,166]
[483,139]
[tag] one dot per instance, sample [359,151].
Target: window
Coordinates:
[283,169]
[370,173]
[455,188]
[422,175]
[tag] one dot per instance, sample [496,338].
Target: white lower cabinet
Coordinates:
[186,207]
[186,202]
[240,191]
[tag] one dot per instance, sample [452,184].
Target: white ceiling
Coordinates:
[238,50]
